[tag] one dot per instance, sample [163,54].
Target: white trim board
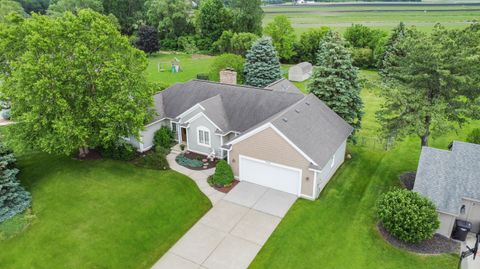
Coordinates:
[264,127]
[197,105]
[200,114]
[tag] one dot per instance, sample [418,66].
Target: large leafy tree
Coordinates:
[335,80]
[367,44]
[283,36]
[392,50]
[212,19]
[171,18]
[74,82]
[37,6]
[129,13]
[7,7]
[58,7]
[309,44]
[434,85]
[262,66]
[14,198]
[147,39]
[248,15]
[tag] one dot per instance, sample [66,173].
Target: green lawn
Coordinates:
[380,17]
[191,67]
[100,214]
[339,229]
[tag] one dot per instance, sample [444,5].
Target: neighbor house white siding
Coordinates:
[324,176]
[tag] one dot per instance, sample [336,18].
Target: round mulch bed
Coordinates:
[226,189]
[408,180]
[196,156]
[439,244]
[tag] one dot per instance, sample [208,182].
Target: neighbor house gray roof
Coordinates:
[448,176]
[231,107]
[283,85]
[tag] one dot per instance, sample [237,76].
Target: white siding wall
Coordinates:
[329,170]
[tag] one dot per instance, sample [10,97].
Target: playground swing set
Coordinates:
[174,66]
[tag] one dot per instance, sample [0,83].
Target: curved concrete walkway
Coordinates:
[233,231]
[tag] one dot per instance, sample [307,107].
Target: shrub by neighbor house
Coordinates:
[154,160]
[163,137]
[223,175]
[474,136]
[119,150]
[407,215]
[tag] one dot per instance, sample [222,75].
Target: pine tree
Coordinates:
[392,50]
[335,81]
[262,66]
[13,197]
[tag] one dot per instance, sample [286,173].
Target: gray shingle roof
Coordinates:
[235,107]
[283,85]
[448,176]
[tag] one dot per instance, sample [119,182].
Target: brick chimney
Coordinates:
[228,76]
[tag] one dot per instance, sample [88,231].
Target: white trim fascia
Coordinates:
[197,105]
[187,131]
[307,197]
[157,121]
[270,125]
[197,116]
[471,199]
[447,213]
[205,130]
[315,185]
[299,191]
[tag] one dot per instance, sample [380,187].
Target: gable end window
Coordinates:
[203,136]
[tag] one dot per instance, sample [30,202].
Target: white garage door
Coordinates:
[270,175]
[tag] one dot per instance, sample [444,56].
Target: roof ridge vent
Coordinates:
[285,119]
[297,110]
[307,103]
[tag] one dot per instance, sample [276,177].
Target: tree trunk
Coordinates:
[82,152]
[425,136]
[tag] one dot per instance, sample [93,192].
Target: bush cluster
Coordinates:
[120,150]
[184,161]
[223,175]
[163,137]
[474,136]
[407,215]
[156,160]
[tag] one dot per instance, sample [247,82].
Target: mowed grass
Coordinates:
[378,17]
[100,214]
[159,68]
[339,229]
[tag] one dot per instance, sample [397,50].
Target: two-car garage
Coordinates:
[268,174]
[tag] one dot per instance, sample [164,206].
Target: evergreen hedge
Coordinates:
[223,175]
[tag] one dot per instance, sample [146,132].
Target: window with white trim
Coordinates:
[203,137]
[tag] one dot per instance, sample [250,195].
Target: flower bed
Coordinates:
[187,162]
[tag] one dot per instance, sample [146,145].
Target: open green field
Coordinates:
[384,16]
[99,214]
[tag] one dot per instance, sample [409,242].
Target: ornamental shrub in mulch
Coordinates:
[184,161]
[223,175]
[407,215]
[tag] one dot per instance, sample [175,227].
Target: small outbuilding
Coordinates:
[300,72]
[451,179]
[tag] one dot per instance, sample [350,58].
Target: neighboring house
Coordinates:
[451,179]
[300,72]
[271,137]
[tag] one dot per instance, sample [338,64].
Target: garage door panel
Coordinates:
[270,175]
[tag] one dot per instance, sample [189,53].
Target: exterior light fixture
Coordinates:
[462,209]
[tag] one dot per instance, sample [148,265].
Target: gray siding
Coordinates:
[446,224]
[324,176]
[192,137]
[146,136]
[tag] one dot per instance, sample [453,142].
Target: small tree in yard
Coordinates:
[147,39]
[163,138]
[74,82]
[407,215]
[262,66]
[335,81]
[474,136]
[223,175]
[283,36]
[14,199]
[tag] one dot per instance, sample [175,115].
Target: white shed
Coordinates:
[300,72]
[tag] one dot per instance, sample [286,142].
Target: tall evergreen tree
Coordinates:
[392,50]
[14,198]
[262,66]
[335,80]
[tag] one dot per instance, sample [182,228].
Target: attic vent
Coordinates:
[307,103]
[285,119]
[296,110]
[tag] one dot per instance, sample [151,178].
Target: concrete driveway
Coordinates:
[231,234]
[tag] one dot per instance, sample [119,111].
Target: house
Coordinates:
[300,72]
[273,137]
[451,179]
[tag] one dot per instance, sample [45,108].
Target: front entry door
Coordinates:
[184,135]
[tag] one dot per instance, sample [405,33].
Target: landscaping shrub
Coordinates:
[407,215]
[184,161]
[223,175]
[163,137]
[362,57]
[120,150]
[153,160]
[162,150]
[474,136]
[202,76]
